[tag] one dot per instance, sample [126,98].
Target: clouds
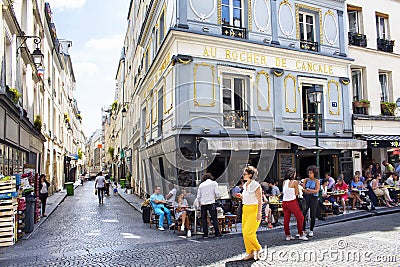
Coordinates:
[106,43]
[86,68]
[67,4]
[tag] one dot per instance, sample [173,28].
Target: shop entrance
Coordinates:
[328,163]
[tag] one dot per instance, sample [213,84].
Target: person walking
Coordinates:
[310,193]
[291,206]
[251,215]
[43,192]
[99,185]
[206,195]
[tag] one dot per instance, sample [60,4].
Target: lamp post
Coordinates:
[314,96]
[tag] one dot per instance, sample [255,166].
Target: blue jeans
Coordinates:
[100,194]
[161,212]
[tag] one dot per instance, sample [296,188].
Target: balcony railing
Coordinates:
[236,118]
[357,39]
[309,121]
[233,31]
[307,45]
[385,45]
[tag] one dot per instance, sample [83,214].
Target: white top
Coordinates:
[390,181]
[101,180]
[324,190]
[288,192]
[172,198]
[44,188]
[249,193]
[208,192]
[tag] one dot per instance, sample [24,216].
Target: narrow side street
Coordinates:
[81,232]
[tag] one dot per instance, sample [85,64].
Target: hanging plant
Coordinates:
[14,94]
[80,153]
[114,105]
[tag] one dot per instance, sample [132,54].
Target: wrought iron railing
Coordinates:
[357,39]
[309,120]
[233,31]
[308,45]
[236,118]
[385,45]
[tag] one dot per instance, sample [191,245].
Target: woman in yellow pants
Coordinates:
[251,216]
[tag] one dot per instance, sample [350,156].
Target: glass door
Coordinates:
[233,102]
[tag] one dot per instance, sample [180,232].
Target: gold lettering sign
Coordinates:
[314,67]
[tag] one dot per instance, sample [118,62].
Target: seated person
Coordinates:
[274,189]
[157,201]
[171,196]
[189,196]
[325,194]
[181,213]
[389,180]
[267,212]
[237,189]
[380,190]
[331,181]
[354,194]
[362,178]
[342,186]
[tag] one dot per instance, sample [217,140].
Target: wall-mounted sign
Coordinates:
[334,104]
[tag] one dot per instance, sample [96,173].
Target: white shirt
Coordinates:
[208,192]
[172,198]
[100,180]
[288,192]
[249,193]
[44,188]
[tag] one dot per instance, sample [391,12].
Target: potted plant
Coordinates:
[388,108]
[37,123]
[79,116]
[114,105]
[66,120]
[111,152]
[362,103]
[13,94]
[80,153]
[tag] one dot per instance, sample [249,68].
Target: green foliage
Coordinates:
[388,108]
[111,152]
[14,94]
[80,153]
[114,105]
[37,123]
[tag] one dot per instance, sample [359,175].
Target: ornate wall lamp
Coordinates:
[37,54]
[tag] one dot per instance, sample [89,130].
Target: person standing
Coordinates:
[251,216]
[43,192]
[311,187]
[290,204]
[99,185]
[206,195]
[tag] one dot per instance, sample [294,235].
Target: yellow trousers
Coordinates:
[249,228]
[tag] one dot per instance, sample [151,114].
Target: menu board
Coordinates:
[286,161]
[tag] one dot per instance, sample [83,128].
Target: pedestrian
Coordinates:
[290,205]
[311,187]
[43,192]
[206,195]
[115,188]
[99,185]
[251,217]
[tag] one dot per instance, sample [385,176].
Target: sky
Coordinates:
[96,29]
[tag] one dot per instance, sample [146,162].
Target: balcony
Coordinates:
[236,119]
[385,45]
[309,121]
[357,39]
[310,46]
[233,31]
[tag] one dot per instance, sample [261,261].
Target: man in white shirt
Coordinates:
[171,196]
[99,184]
[206,195]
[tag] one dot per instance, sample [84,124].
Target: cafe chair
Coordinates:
[327,209]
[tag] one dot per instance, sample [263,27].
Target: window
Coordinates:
[307,26]
[382,26]
[383,80]
[232,13]
[162,22]
[356,79]
[310,112]
[353,22]
[233,96]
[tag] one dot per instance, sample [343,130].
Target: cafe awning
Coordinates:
[242,143]
[307,143]
[324,143]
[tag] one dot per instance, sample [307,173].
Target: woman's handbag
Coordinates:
[95,191]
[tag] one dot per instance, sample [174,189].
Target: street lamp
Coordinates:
[124,111]
[314,95]
[37,54]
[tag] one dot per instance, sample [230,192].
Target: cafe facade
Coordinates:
[224,90]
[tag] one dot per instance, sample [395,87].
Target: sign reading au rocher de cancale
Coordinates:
[271,61]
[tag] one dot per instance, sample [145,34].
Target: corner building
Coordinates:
[221,84]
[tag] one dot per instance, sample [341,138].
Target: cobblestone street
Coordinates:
[83,233]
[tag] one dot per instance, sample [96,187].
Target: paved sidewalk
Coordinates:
[53,202]
[132,199]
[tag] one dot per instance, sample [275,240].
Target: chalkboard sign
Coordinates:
[286,161]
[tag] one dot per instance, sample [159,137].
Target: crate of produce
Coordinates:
[8,195]
[7,186]
[7,240]
[17,179]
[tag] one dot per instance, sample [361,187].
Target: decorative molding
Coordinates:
[167,111]
[331,112]
[183,59]
[219,12]
[330,13]
[344,80]
[315,9]
[250,16]
[277,72]
[212,68]
[202,17]
[268,15]
[294,110]
[286,3]
[268,91]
